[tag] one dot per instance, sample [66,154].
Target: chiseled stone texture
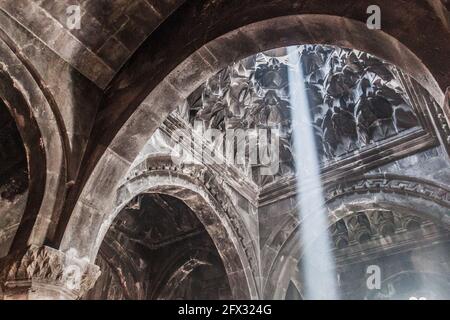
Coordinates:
[45,273]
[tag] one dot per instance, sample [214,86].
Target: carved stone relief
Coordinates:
[355,100]
[47,266]
[362,227]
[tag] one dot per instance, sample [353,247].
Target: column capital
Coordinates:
[46,273]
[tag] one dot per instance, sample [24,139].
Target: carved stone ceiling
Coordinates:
[354,98]
[157,220]
[357,103]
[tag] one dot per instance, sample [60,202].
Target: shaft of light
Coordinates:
[317,261]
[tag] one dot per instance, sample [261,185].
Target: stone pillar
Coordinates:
[44,273]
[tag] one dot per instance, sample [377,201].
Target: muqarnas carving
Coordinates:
[354,98]
[362,227]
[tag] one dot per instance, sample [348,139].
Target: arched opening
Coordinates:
[157,248]
[38,122]
[207,203]
[14,180]
[385,250]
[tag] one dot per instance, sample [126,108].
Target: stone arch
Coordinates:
[390,192]
[198,190]
[39,123]
[143,107]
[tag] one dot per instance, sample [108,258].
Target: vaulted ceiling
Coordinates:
[158,249]
[110,30]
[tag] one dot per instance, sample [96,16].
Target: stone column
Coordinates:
[44,273]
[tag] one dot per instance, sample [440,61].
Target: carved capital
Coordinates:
[46,273]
